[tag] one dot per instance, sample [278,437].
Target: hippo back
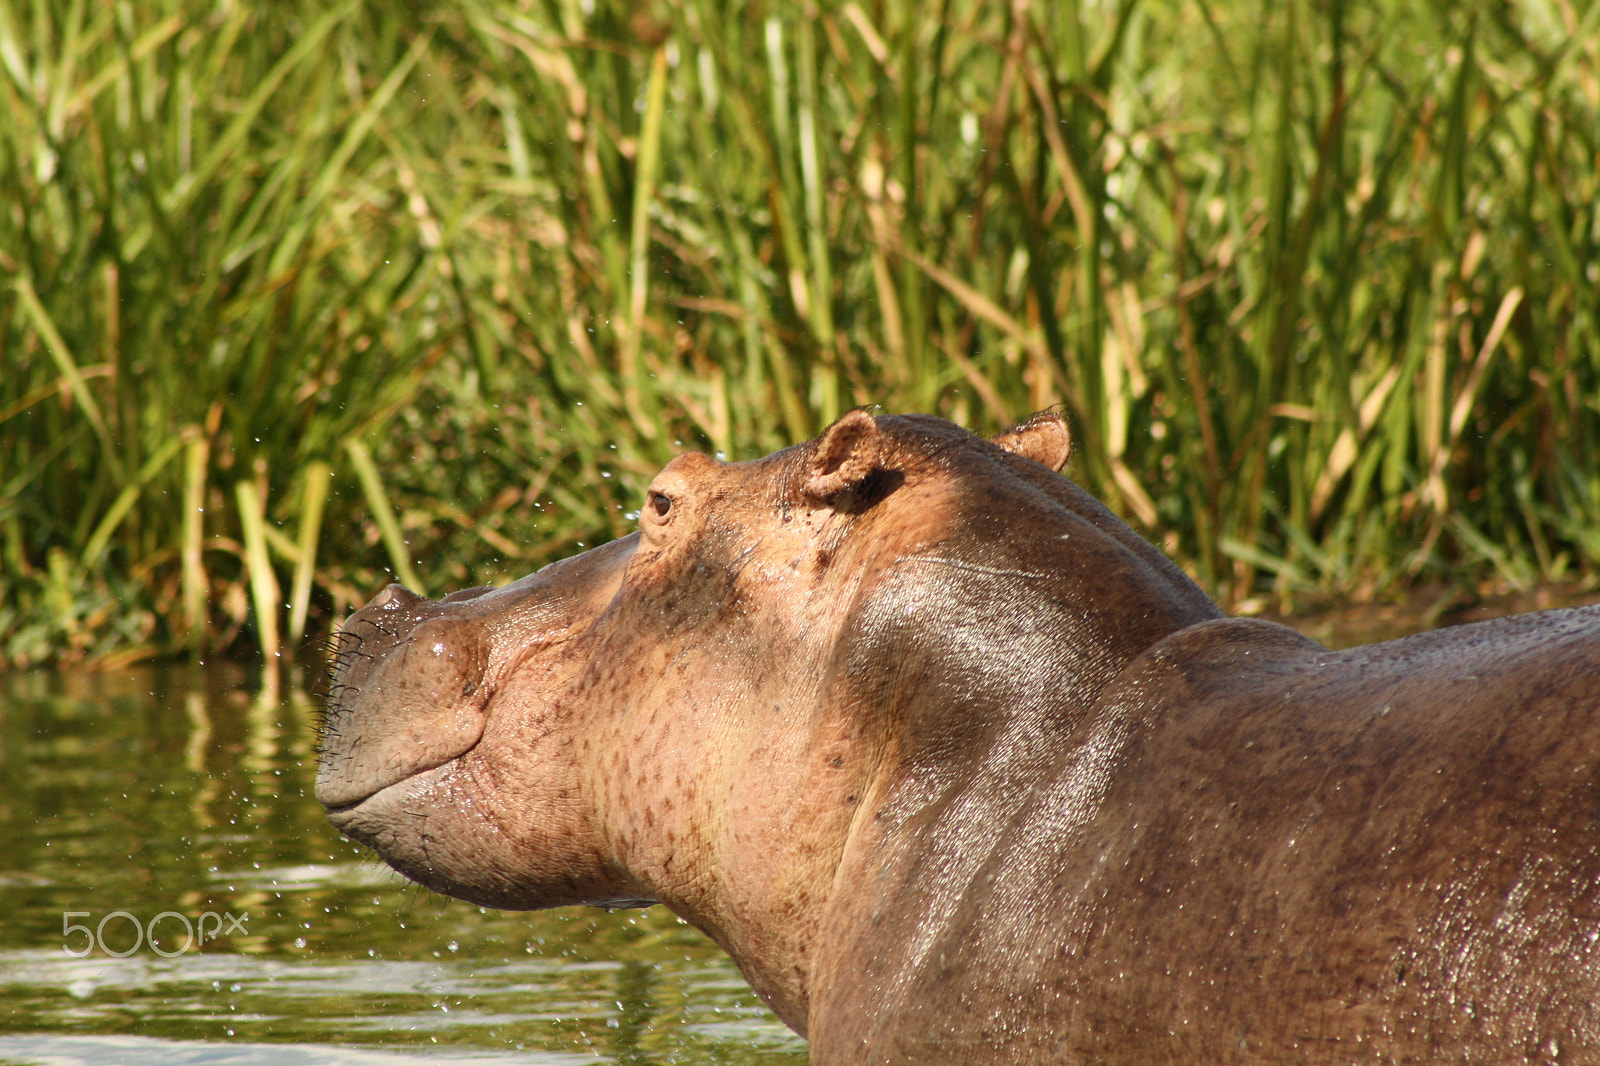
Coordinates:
[1260,850]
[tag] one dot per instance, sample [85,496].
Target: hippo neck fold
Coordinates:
[958,673]
[1004,691]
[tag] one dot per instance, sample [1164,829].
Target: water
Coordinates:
[250,933]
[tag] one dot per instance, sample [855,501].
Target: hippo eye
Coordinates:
[661,503]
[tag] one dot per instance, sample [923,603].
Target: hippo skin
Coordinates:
[959,769]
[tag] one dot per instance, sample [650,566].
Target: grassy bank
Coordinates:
[294,295]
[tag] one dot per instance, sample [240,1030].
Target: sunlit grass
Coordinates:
[295,296]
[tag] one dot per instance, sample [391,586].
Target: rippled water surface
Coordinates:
[156,809]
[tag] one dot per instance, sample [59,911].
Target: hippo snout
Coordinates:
[408,694]
[415,681]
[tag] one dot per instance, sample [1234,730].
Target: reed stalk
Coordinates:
[1316,284]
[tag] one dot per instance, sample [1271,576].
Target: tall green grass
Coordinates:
[294,297]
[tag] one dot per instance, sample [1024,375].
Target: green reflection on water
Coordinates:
[178,794]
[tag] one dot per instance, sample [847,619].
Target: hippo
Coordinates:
[958,768]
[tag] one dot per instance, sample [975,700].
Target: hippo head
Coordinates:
[710,712]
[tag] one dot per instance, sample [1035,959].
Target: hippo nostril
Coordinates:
[397,594]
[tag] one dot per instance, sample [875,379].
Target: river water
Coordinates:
[170,893]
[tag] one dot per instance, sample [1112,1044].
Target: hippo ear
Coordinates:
[846,453]
[1044,438]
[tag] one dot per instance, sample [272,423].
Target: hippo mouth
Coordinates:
[344,797]
[408,694]
[414,680]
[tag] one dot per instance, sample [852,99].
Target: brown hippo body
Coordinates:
[960,769]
